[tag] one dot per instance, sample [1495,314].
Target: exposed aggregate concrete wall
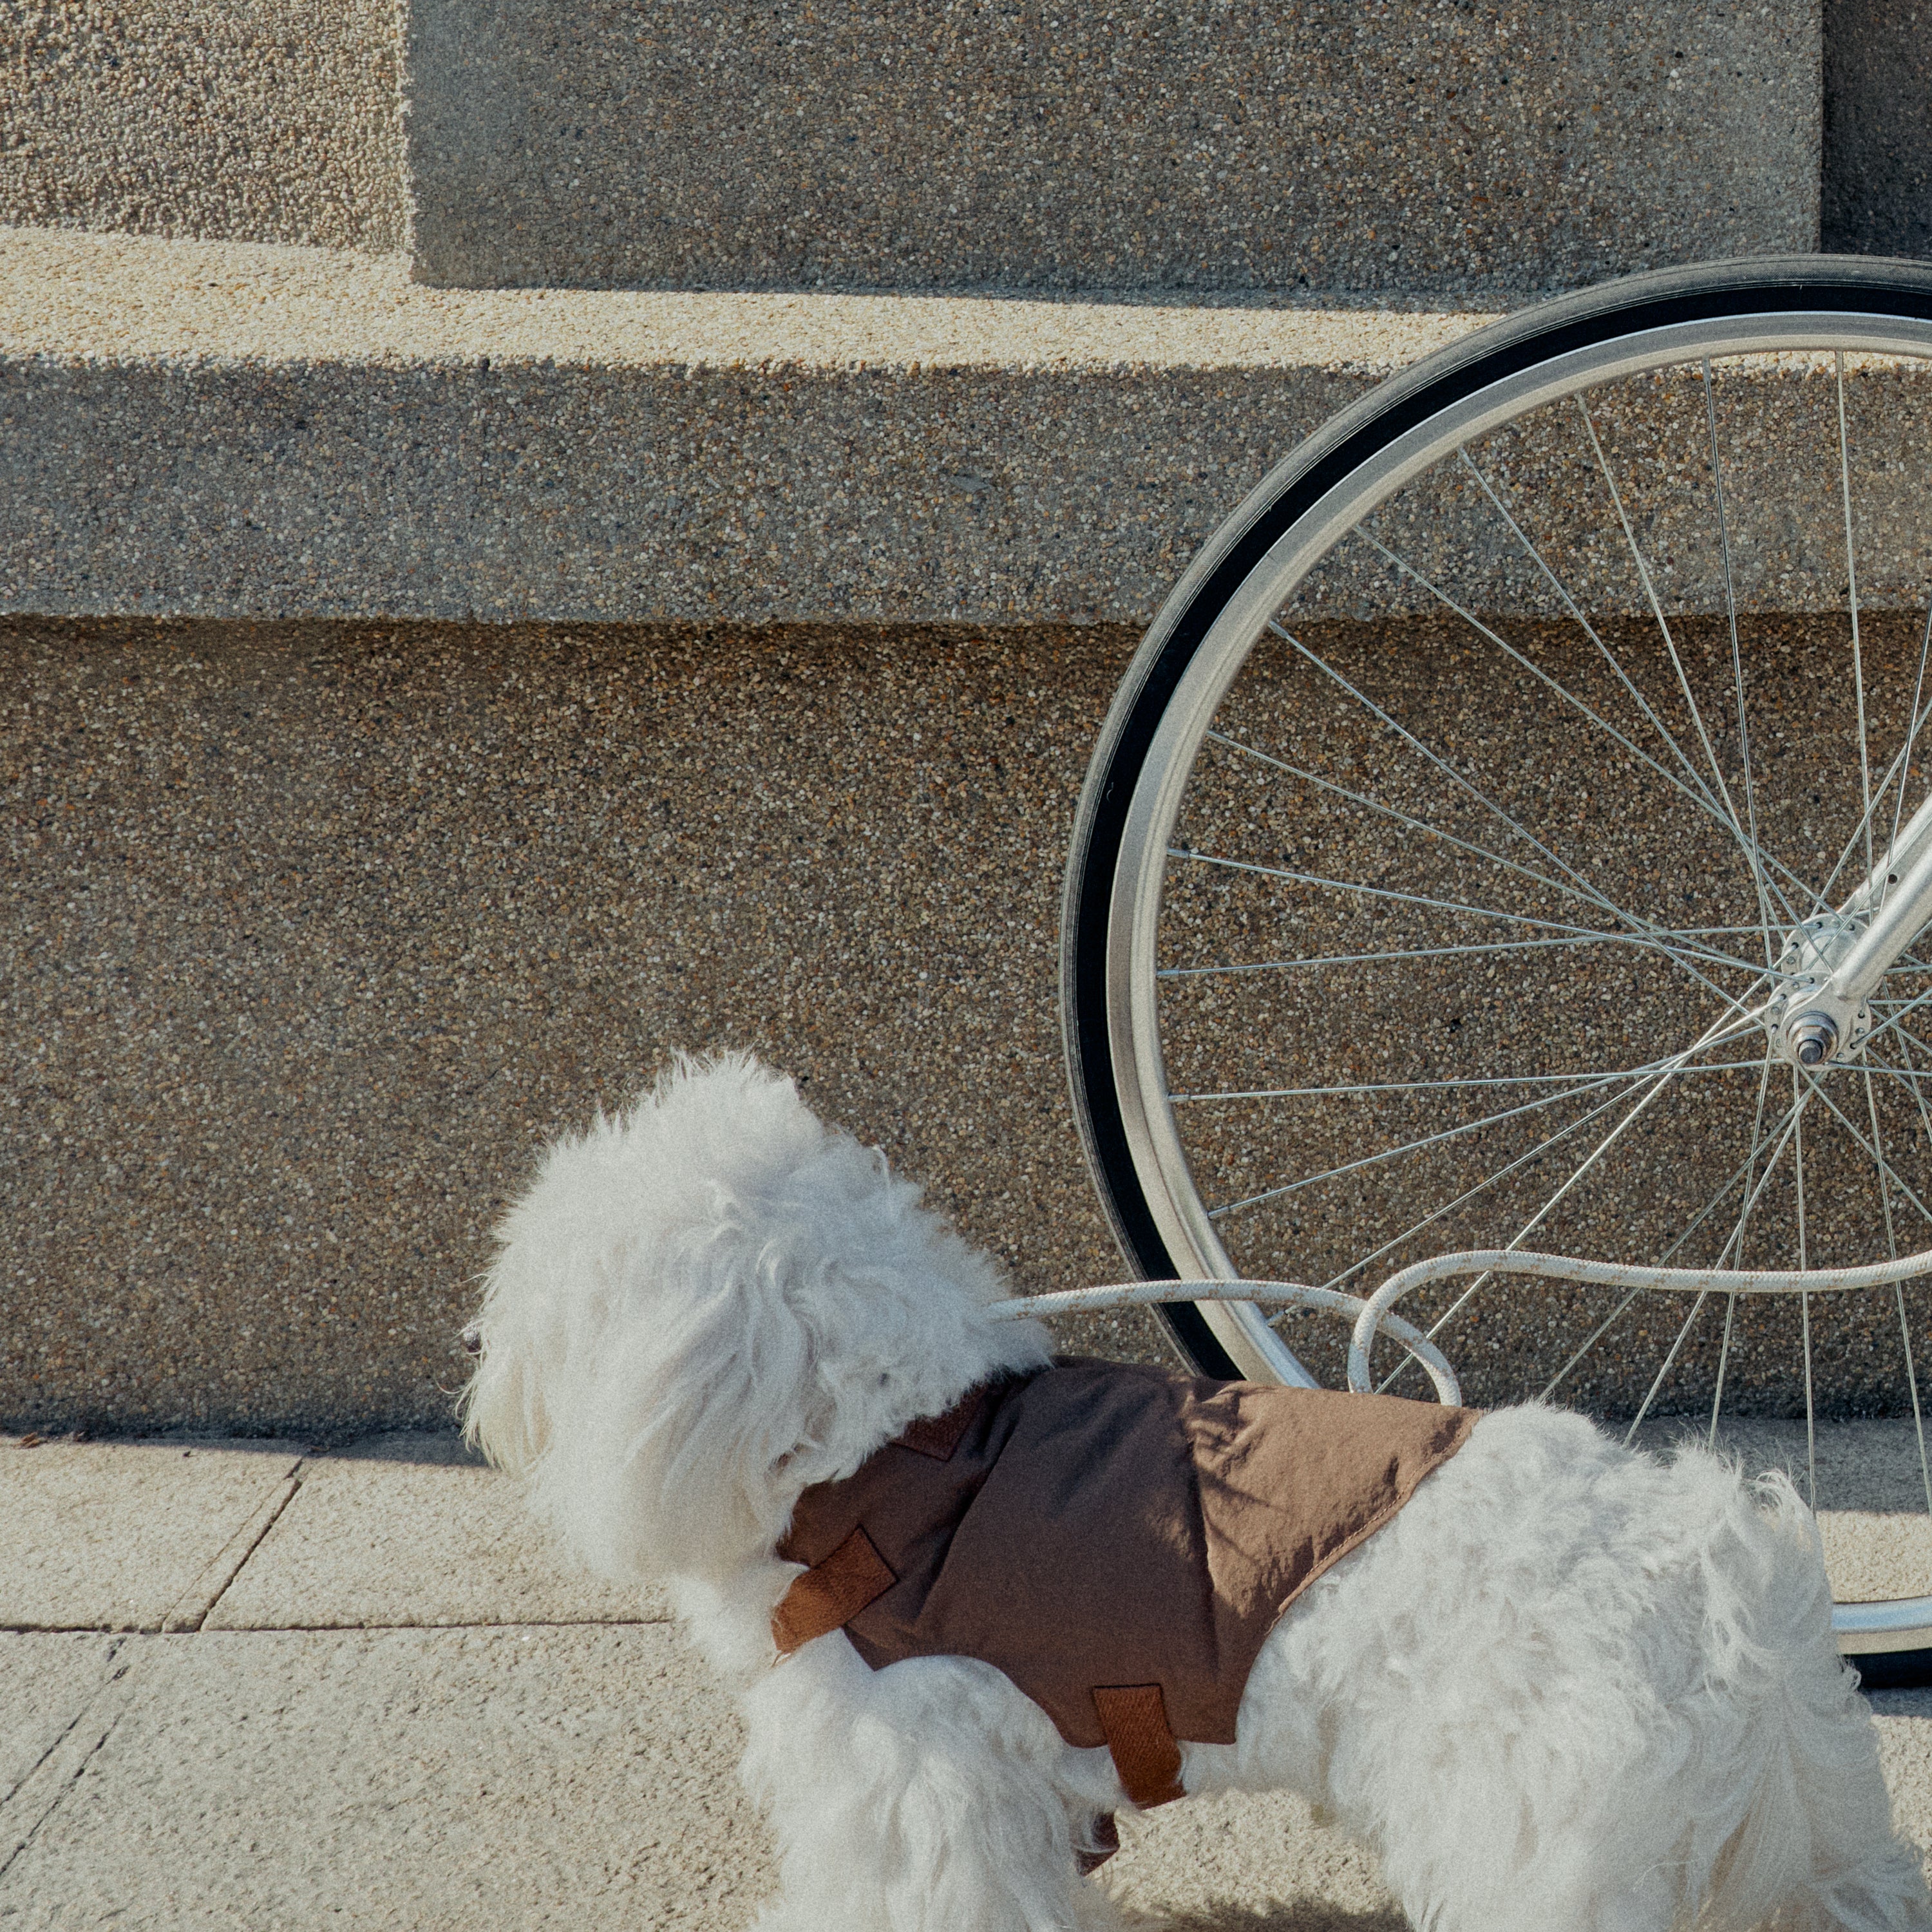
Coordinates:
[314,934]
[1188,144]
[1878,128]
[242,120]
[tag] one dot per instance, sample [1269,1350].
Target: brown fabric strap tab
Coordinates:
[1133,1718]
[938,1435]
[831,1593]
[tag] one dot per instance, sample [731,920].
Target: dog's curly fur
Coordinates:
[1570,1687]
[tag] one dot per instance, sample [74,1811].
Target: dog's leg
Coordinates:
[921,1798]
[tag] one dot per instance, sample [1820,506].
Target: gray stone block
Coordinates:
[1190,144]
[232,430]
[1878,128]
[239,432]
[246,120]
[347,921]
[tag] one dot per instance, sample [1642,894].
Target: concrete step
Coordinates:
[248,120]
[1177,144]
[1878,128]
[1162,144]
[314,934]
[233,430]
[401,1708]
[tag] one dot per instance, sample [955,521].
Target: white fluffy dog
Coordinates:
[1568,1687]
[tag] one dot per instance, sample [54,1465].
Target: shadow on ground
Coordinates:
[1303,1914]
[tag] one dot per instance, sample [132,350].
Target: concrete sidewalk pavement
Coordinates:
[252,1684]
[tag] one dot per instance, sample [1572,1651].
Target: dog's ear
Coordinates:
[668,1458]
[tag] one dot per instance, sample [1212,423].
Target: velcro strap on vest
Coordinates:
[1133,1720]
[938,1435]
[831,1593]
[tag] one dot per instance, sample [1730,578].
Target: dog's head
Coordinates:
[707,1304]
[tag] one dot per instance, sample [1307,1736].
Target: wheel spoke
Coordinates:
[1702,796]
[1405,898]
[1895,1022]
[1455,777]
[1899,769]
[1898,1287]
[1805,1299]
[1475,623]
[1732,1253]
[1660,1070]
[1752,848]
[1712,1037]
[1904,1323]
[1851,1127]
[1665,1366]
[1903,763]
[1384,1155]
[1470,1080]
[1404,820]
[1409,953]
[1663,624]
[1697,1306]
[1483,1186]
[1905,1076]
[1615,911]
[1851,589]
[1741,1171]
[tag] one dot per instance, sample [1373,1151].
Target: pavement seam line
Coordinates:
[199,1602]
[21,1783]
[58,1773]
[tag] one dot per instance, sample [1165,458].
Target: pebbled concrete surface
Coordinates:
[406,1529]
[502,1775]
[110,1537]
[254,431]
[315,937]
[240,120]
[1877,186]
[1164,143]
[112,298]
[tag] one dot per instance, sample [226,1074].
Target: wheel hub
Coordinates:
[1803,1030]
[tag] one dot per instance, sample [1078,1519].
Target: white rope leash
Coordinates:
[1140,1294]
[1374,1315]
[1615,1274]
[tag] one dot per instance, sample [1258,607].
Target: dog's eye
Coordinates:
[885,1380]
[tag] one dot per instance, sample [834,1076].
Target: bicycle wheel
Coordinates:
[1474,810]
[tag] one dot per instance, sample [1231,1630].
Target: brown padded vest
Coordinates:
[1118,1540]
